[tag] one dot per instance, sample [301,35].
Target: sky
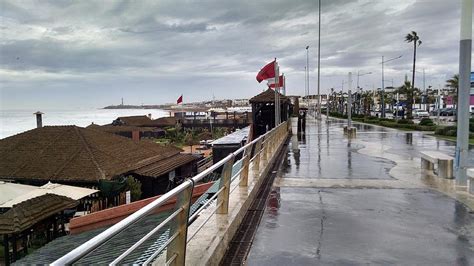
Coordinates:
[89,54]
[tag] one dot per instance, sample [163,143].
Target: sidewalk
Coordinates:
[365,200]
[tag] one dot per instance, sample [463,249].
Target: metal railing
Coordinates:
[258,152]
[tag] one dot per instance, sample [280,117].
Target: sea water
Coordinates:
[16,121]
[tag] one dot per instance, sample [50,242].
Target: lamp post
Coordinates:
[307,77]
[358,88]
[462,138]
[383,84]
[360,75]
[319,60]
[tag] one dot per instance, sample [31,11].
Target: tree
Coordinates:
[453,83]
[415,39]
[135,188]
[190,139]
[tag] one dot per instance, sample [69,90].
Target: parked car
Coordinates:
[420,114]
[449,112]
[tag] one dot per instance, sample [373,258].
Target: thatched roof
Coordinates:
[137,120]
[28,213]
[267,96]
[165,166]
[165,122]
[115,129]
[71,153]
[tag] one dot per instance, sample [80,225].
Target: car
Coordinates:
[420,114]
[450,112]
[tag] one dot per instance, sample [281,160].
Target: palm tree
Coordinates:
[453,83]
[415,39]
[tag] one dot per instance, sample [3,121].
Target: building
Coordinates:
[263,111]
[132,132]
[240,102]
[92,158]
[228,144]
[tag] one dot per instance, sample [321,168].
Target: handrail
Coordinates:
[183,192]
[90,245]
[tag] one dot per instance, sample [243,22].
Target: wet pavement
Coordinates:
[363,201]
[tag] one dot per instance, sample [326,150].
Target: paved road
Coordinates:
[363,201]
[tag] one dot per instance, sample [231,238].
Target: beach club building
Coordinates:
[91,158]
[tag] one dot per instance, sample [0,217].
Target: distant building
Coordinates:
[240,102]
[132,132]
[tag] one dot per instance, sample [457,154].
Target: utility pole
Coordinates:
[462,140]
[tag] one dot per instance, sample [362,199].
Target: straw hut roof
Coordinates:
[268,96]
[75,154]
[28,213]
[137,120]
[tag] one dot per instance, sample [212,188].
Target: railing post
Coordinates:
[256,161]
[244,175]
[223,198]
[264,148]
[178,245]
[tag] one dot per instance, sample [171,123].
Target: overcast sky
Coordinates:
[70,54]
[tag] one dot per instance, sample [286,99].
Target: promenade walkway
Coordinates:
[363,201]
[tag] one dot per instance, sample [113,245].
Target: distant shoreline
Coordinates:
[137,107]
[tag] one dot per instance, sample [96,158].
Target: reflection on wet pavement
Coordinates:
[407,224]
[360,226]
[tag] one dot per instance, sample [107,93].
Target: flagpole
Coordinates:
[276,94]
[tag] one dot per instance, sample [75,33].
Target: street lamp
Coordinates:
[360,75]
[358,88]
[319,60]
[307,77]
[383,84]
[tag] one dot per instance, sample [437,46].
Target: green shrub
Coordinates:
[405,121]
[426,122]
[446,131]
[135,188]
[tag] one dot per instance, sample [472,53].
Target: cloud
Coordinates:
[150,51]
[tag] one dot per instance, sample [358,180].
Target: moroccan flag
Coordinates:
[180,99]
[266,72]
[271,82]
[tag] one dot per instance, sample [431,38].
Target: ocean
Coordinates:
[16,121]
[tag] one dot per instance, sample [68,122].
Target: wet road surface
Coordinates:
[346,226]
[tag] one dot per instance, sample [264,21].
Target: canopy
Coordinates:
[30,192]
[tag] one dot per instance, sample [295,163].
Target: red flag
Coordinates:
[266,72]
[271,82]
[180,99]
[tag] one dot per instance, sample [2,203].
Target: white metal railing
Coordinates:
[257,152]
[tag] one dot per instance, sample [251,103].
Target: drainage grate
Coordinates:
[239,247]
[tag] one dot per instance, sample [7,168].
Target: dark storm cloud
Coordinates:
[150,51]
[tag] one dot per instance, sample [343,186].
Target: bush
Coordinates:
[405,121]
[426,122]
[135,188]
[446,131]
